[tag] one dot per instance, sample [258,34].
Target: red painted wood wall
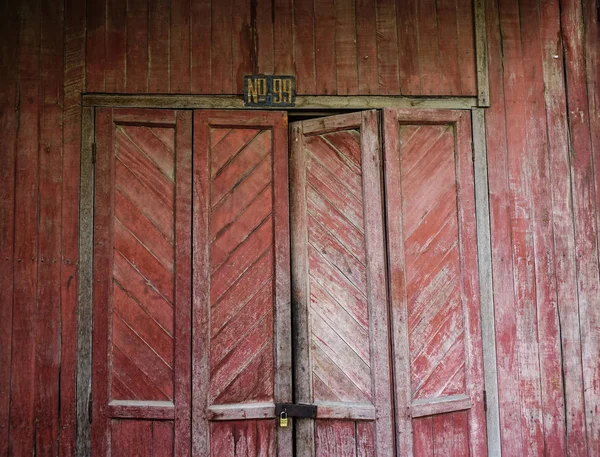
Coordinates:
[543,141]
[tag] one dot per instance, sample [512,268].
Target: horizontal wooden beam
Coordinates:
[302,102]
[440,405]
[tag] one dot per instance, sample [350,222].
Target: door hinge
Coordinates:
[93,153]
[297,410]
[484,400]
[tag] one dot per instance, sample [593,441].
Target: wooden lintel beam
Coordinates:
[303,102]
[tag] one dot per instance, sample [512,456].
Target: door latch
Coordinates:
[297,410]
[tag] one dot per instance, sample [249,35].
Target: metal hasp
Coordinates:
[297,410]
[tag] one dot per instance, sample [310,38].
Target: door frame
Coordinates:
[321,104]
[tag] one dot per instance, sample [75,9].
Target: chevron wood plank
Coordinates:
[147,201]
[143,230]
[144,261]
[157,306]
[226,146]
[340,297]
[157,148]
[142,324]
[435,304]
[143,180]
[240,197]
[241,263]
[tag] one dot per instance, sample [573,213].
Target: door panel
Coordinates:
[434,283]
[342,353]
[142,302]
[242,335]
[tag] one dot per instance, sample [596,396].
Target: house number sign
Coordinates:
[269,91]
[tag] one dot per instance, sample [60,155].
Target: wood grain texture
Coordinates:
[584,205]
[342,342]
[242,343]
[141,351]
[433,270]
[24,324]
[8,137]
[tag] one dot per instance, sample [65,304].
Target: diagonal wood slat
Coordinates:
[241,357]
[143,265]
[339,335]
[432,261]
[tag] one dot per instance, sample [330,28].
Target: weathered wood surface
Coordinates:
[334,48]
[142,276]
[433,276]
[242,335]
[342,352]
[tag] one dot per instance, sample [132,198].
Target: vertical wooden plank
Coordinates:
[397,286]
[85,282]
[162,439]
[371,161]
[180,60]
[591,18]
[116,46]
[242,44]
[283,311]
[221,55]
[201,49]
[591,26]
[366,44]
[325,47]
[131,437]
[95,47]
[410,83]
[264,28]
[424,437]
[183,286]
[102,290]
[304,47]
[158,46]
[469,24]
[201,444]
[283,38]
[451,64]
[305,430]
[563,226]
[48,335]
[524,341]
[345,47]
[501,243]
[551,380]
[387,47]
[429,54]
[585,207]
[8,135]
[74,84]
[137,46]
[365,439]
[481,50]
[484,255]
[22,414]
[470,283]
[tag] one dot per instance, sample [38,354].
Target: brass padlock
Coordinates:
[283,419]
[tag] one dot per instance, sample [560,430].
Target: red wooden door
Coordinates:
[142,281]
[434,283]
[339,287]
[242,334]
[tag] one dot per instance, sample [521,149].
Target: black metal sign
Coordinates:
[269,91]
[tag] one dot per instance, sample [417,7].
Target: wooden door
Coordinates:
[142,282]
[339,287]
[434,287]
[242,334]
